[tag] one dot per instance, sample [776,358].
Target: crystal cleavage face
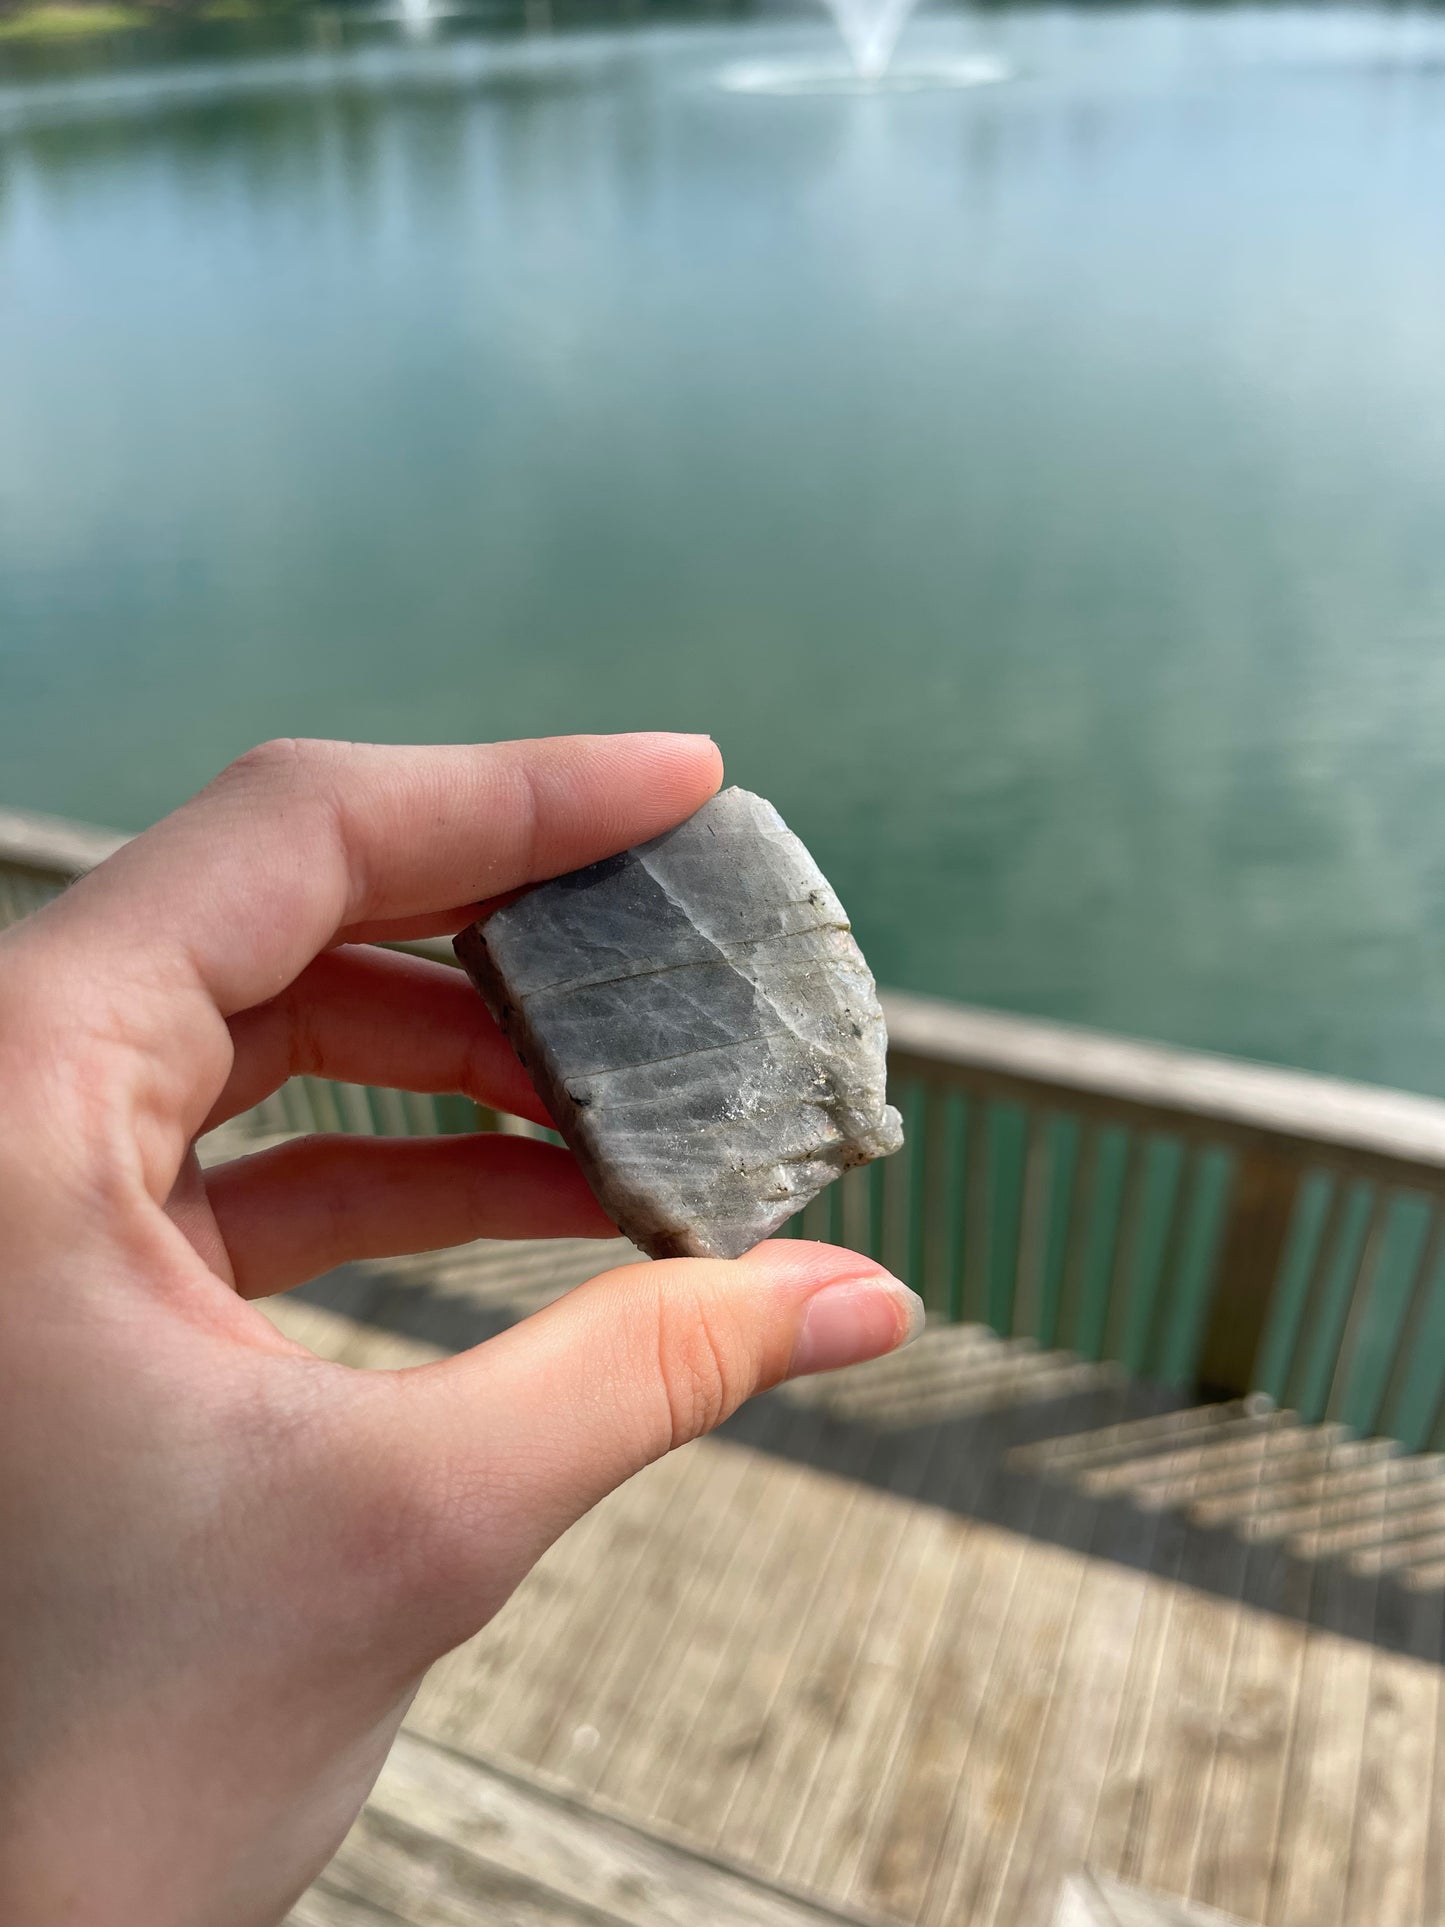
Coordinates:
[700,1023]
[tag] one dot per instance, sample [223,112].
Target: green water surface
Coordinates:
[1039,489]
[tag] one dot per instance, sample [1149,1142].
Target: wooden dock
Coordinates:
[976,1636]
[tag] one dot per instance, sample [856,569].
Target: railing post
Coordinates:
[1261,1205]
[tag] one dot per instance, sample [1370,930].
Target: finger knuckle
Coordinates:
[701,1370]
[283,765]
[315,783]
[301,780]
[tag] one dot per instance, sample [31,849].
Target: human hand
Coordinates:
[228,1563]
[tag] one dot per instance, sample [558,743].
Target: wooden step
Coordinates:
[447,1841]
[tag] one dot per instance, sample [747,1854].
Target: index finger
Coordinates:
[300,841]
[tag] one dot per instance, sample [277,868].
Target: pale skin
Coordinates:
[226,1564]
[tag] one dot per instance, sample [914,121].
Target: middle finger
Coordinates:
[367,1016]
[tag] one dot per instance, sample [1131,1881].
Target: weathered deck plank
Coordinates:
[449,1841]
[637,1771]
[932,1813]
[830,1825]
[1188,1711]
[724,1735]
[649,1637]
[1312,1865]
[807,1681]
[1239,1827]
[861,1855]
[1396,1797]
[1051,1831]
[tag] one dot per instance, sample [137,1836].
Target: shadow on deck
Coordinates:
[1235,1500]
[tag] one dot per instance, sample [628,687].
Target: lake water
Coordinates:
[1038,488]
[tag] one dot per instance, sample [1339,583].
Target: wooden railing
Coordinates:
[1204,1222]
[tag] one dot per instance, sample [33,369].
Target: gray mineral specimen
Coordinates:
[701,1025]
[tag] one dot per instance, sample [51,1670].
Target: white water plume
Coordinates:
[418,18]
[793,77]
[870,30]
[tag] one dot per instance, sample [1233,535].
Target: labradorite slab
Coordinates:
[700,1023]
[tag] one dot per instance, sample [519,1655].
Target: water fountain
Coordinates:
[418,18]
[870,31]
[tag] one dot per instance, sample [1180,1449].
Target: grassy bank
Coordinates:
[69,20]
[83,19]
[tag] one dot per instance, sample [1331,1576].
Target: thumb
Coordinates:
[545,1419]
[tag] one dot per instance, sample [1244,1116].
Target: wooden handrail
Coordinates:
[53,846]
[1169,1088]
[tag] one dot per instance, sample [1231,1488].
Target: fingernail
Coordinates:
[855,1319]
